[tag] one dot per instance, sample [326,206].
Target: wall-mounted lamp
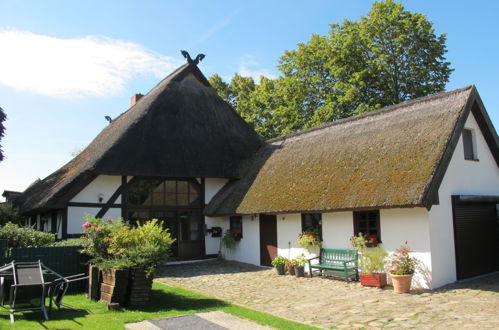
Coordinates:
[283,218]
[101,197]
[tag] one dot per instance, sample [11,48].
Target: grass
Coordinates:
[166,301]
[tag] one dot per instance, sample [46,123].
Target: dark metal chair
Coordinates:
[29,288]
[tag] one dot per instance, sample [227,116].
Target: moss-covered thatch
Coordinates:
[386,158]
[181,128]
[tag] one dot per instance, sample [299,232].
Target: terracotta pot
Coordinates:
[299,271]
[280,270]
[401,283]
[290,268]
[375,279]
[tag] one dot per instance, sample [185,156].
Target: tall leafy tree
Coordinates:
[387,57]
[3,117]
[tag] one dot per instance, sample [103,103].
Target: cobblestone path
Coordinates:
[332,303]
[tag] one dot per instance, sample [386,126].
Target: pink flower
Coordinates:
[86,224]
[99,230]
[94,224]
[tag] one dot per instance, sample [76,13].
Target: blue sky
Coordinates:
[64,65]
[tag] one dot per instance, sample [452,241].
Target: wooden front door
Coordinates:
[268,239]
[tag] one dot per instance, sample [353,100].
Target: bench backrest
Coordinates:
[334,255]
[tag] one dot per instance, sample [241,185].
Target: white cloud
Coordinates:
[86,66]
[247,69]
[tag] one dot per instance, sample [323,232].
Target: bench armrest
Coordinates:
[313,258]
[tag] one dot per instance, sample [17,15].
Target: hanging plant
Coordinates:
[309,240]
[228,241]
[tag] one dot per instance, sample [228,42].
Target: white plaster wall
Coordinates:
[212,244]
[212,186]
[337,229]
[248,248]
[103,184]
[288,228]
[410,225]
[463,177]
[77,215]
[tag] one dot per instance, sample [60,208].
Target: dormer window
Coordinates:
[469,144]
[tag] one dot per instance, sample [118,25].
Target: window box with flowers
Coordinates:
[309,241]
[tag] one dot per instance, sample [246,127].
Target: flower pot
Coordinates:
[375,279]
[280,270]
[291,269]
[401,283]
[299,271]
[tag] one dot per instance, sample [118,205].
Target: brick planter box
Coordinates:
[113,289]
[139,289]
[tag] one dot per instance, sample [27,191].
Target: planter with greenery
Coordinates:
[372,265]
[119,249]
[403,267]
[309,241]
[290,268]
[279,263]
[299,265]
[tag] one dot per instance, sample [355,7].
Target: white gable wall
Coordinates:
[463,177]
[103,184]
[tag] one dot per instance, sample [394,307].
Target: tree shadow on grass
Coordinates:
[165,301]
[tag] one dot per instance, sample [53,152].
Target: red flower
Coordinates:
[308,235]
[372,239]
[313,236]
[392,271]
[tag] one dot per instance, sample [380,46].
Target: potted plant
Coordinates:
[309,240]
[290,267]
[372,265]
[299,265]
[403,267]
[279,263]
[361,241]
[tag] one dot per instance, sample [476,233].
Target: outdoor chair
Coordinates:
[29,288]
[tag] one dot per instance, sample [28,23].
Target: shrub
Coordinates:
[9,213]
[69,242]
[95,237]
[145,246]
[25,236]
[299,261]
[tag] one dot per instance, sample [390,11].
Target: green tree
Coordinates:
[3,117]
[387,57]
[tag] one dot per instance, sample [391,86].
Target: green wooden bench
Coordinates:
[337,263]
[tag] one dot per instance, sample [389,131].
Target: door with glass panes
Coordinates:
[176,202]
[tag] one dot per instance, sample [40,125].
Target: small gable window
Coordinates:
[367,223]
[236,226]
[312,223]
[469,145]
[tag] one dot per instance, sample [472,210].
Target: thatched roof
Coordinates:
[393,157]
[181,128]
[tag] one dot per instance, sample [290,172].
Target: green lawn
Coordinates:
[166,301]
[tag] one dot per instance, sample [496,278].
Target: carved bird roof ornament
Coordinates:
[195,61]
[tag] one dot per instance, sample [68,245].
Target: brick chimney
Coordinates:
[135,98]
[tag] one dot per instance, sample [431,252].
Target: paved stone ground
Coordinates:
[327,303]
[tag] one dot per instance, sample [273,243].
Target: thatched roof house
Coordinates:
[390,158]
[181,128]
[423,172]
